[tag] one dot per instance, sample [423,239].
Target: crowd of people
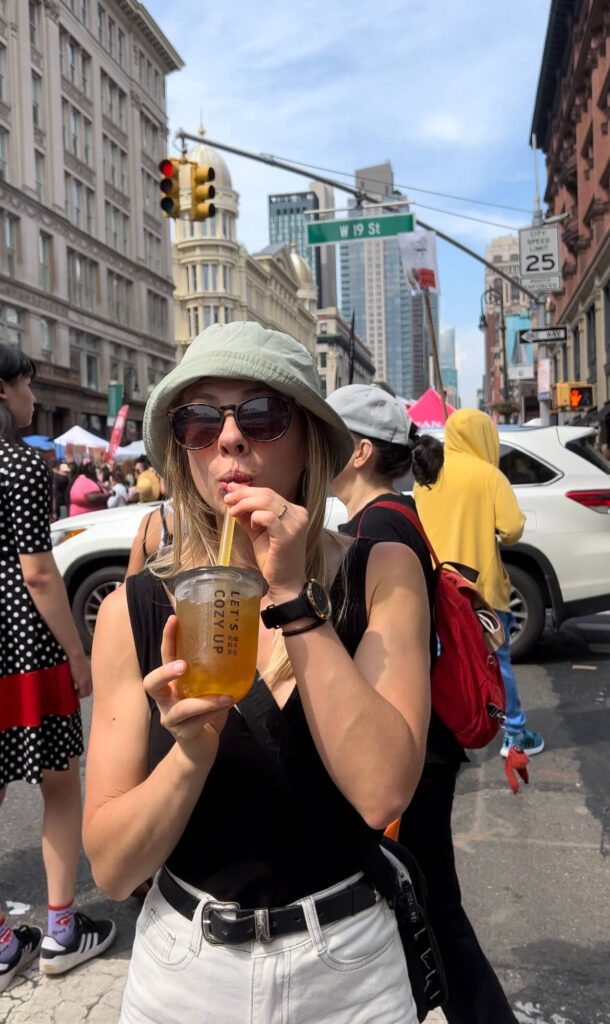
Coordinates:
[89,484]
[258,892]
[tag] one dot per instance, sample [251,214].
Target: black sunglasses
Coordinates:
[260,419]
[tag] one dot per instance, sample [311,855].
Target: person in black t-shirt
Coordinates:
[386,447]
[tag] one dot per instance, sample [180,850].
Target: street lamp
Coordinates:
[494,297]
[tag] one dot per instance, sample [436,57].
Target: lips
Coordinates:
[234,476]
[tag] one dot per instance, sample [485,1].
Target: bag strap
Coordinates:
[275,735]
[408,514]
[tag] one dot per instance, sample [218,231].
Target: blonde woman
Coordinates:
[260,907]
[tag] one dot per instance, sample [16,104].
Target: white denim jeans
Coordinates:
[349,972]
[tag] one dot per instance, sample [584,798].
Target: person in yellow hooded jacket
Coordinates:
[470,506]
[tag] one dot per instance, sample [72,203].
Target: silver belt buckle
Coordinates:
[212,906]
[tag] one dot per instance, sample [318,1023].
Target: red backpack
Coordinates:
[466,682]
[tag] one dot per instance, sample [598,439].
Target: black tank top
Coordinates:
[248,839]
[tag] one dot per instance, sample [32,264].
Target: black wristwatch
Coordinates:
[312,602]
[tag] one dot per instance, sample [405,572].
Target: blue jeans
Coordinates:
[515,717]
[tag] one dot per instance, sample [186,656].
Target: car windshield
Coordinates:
[585,447]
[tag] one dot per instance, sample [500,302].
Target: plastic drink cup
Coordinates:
[218,611]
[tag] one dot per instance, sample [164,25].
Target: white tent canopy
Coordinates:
[130,451]
[81,438]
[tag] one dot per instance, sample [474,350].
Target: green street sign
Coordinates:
[358,229]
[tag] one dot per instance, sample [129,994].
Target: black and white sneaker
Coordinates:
[91,939]
[29,947]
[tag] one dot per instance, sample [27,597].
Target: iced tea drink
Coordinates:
[218,619]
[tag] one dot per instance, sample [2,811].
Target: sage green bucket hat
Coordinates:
[244,350]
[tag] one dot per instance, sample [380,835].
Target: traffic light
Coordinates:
[202,192]
[573,395]
[170,186]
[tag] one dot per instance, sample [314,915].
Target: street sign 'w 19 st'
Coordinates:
[358,229]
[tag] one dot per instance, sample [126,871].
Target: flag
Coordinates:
[117,430]
[418,254]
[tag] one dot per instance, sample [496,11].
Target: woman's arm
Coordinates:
[369,717]
[46,588]
[133,820]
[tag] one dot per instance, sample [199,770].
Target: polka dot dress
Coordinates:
[40,724]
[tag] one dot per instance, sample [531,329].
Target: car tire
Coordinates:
[89,596]
[527,607]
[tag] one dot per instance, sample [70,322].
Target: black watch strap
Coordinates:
[311,603]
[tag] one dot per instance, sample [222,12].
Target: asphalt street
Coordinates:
[535,867]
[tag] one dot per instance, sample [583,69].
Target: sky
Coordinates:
[445,91]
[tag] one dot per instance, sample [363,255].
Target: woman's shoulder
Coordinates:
[17,458]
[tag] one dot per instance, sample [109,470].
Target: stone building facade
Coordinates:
[571,118]
[218,281]
[333,353]
[85,276]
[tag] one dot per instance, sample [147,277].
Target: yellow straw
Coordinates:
[226,538]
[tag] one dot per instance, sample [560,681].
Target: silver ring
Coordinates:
[282,511]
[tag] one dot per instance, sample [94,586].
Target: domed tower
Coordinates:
[308,292]
[205,257]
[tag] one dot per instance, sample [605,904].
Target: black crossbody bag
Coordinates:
[394,873]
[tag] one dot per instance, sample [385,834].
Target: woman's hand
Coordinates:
[195,722]
[278,532]
[80,670]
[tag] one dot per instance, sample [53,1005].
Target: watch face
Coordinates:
[319,599]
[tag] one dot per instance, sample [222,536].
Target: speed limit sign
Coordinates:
[539,258]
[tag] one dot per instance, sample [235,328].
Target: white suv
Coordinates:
[561,563]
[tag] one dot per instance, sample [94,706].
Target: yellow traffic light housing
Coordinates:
[573,395]
[202,191]
[170,187]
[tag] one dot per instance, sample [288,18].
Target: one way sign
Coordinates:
[544,334]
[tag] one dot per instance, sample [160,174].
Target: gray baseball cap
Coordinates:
[371,412]
[244,350]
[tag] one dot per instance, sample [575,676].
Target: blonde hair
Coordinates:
[196,536]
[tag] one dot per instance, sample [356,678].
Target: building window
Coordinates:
[35,24]
[9,255]
[89,205]
[111,36]
[226,279]
[591,342]
[194,277]
[216,314]
[45,243]
[47,330]
[36,92]
[207,316]
[576,352]
[82,281]
[101,23]
[205,276]
[86,73]
[225,226]
[11,326]
[196,320]
[227,314]
[39,175]
[119,298]
[3,154]
[75,131]
[77,203]
[84,11]
[71,52]
[157,314]
[214,279]
[322,358]
[92,372]
[2,72]
[121,47]
[189,328]
[87,154]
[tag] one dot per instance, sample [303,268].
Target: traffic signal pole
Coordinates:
[265,158]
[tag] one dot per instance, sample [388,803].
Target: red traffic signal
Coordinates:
[170,187]
[581,397]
